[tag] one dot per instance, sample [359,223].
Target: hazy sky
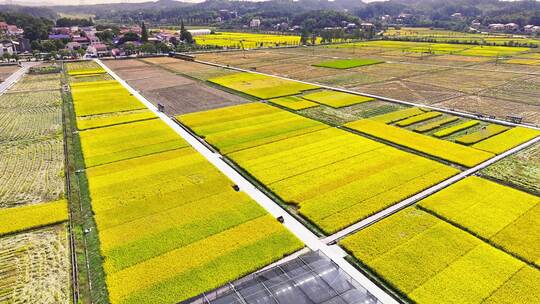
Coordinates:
[78,2]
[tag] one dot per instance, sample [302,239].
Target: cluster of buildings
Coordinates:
[508,27]
[12,40]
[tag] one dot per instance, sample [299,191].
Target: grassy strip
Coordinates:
[347,63]
[435,124]
[398,115]
[418,118]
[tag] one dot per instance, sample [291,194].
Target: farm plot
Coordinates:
[456,128]
[261,86]
[493,106]
[118,142]
[100,97]
[240,127]
[340,116]
[500,214]
[521,169]
[347,63]
[13,220]
[465,81]
[336,99]
[482,134]
[196,224]
[293,102]
[111,119]
[178,94]
[30,123]
[192,69]
[507,140]
[6,71]
[334,177]
[248,40]
[526,91]
[38,82]
[28,100]
[442,149]
[84,68]
[433,125]
[35,267]
[430,261]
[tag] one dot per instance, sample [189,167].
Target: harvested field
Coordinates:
[31,172]
[38,82]
[524,90]
[492,106]
[521,169]
[7,70]
[35,267]
[465,81]
[409,91]
[177,93]
[125,64]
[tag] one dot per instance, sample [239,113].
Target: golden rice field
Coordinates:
[336,99]
[241,127]
[334,178]
[13,220]
[248,40]
[482,134]
[429,260]
[449,151]
[500,214]
[109,144]
[507,140]
[111,119]
[261,86]
[100,97]
[177,228]
[294,102]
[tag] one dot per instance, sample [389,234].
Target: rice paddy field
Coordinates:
[34,246]
[327,174]
[248,40]
[178,227]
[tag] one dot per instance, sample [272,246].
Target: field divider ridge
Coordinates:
[297,228]
[392,100]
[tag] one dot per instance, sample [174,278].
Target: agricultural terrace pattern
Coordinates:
[177,228]
[333,177]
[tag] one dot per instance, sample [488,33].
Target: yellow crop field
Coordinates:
[244,126]
[488,131]
[432,261]
[261,86]
[454,129]
[336,178]
[398,115]
[248,40]
[99,97]
[449,151]
[336,99]
[507,140]
[293,102]
[196,210]
[170,225]
[114,143]
[19,219]
[435,124]
[418,118]
[494,212]
[98,121]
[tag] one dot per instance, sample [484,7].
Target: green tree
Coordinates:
[185,35]
[144,33]
[148,48]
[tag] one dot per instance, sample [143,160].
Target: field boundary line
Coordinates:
[393,100]
[421,195]
[297,228]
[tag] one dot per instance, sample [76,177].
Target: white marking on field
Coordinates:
[297,228]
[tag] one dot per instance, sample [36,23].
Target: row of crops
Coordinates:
[248,40]
[473,242]
[34,254]
[170,225]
